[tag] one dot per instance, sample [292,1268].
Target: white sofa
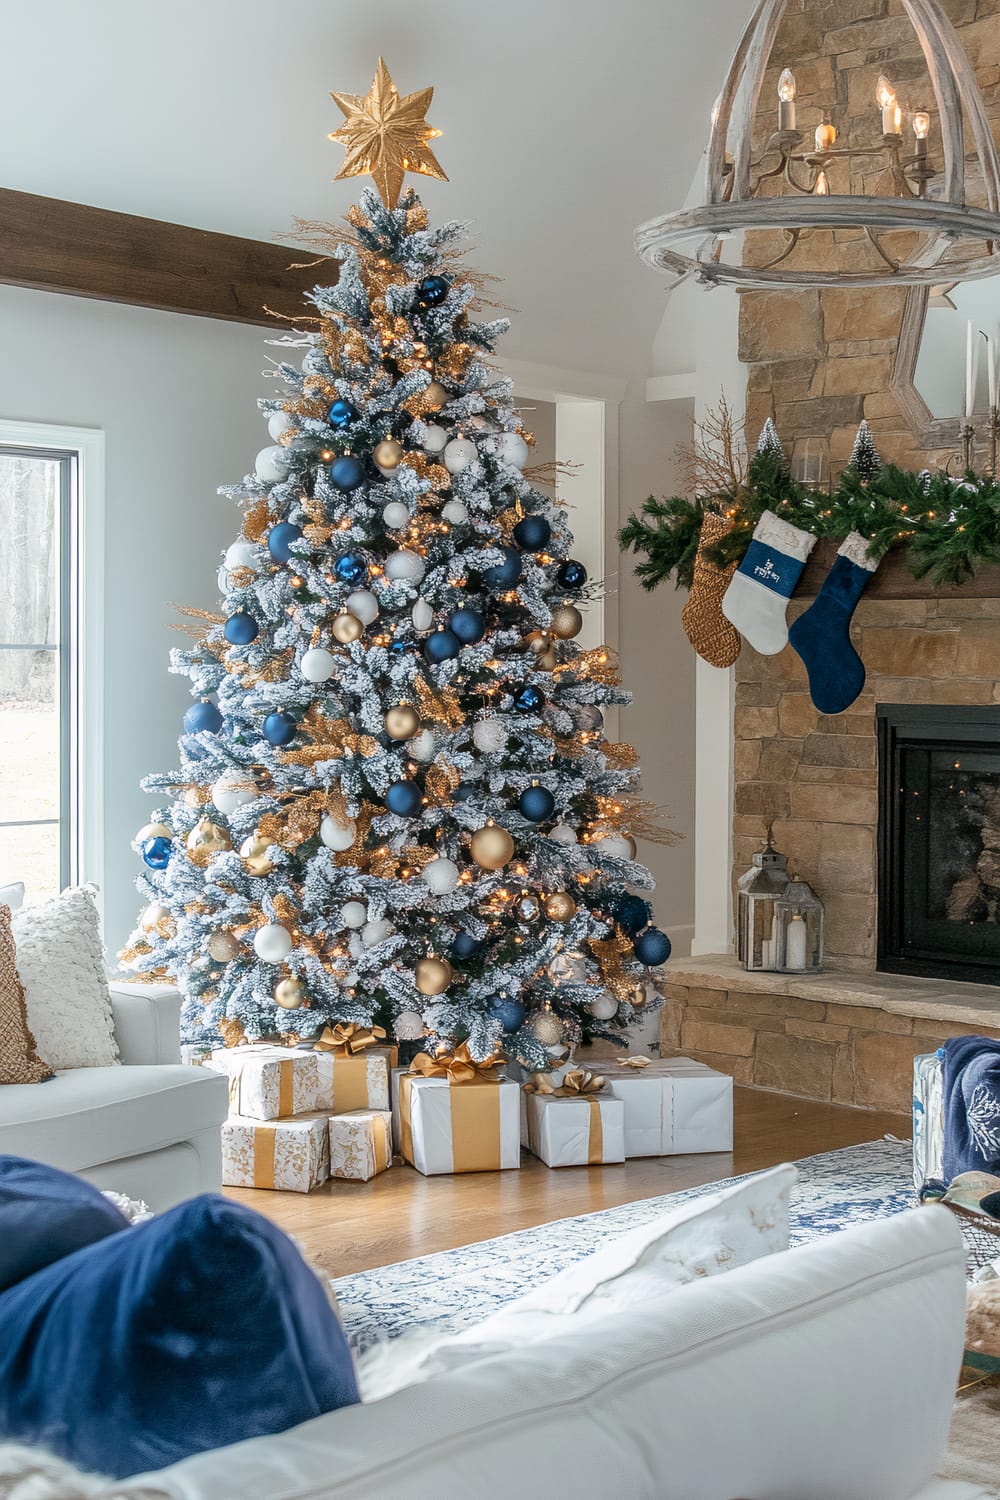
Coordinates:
[822,1373]
[149,1128]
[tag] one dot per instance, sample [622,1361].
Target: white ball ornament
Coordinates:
[374,933]
[423,746]
[459,454]
[563,834]
[409,1026]
[435,438]
[153,831]
[454,512]
[440,876]
[336,835]
[241,555]
[222,578]
[364,605]
[405,566]
[423,615]
[272,465]
[603,1008]
[490,735]
[395,515]
[154,914]
[229,791]
[354,914]
[317,664]
[615,845]
[512,449]
[273,943]
[278,423]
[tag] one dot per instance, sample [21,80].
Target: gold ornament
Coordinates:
[633,848]
[432,975]
[492,847]
[205,839]
[548,661]
[346,628]
[560,906]
[528,908]
[386,136]
[402,722]
[254,854]
[566,622]
[546,1027]
[388,454]
[290,994]
[637,999]
[222,946]
[537,641]
[435,396]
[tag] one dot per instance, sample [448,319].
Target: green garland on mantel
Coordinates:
[950,527]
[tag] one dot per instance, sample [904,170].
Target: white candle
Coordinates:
[971,369]
[991,368]
[795,944]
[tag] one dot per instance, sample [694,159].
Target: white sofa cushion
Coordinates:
[12,896]
[61,964]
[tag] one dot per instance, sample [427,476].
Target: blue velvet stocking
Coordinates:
[822,636]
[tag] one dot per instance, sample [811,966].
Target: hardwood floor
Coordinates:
[353,1226]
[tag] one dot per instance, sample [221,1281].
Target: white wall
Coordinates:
[176,397]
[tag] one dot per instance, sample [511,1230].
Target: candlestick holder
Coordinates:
[994,432]
[968,435]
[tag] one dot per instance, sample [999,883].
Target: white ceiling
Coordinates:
[565,122]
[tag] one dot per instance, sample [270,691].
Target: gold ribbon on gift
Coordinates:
[348,1040]
[578,1084]
[475,1112]
[348,1084]
[380,1130]
[458,1066]
[264,1137]
[637,1062]
[286,1085]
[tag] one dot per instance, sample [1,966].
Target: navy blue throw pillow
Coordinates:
[196,1329]
[46,1214]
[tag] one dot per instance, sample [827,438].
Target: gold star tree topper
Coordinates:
[386,136]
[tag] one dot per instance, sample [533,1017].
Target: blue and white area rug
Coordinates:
[457,1288]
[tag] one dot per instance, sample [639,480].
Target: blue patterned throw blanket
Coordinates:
[971,1080]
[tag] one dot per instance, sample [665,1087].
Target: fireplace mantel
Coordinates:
[893,580]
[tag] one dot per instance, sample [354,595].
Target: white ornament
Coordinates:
[568,968]
[441,876]
[278,423]
[355,946]
[153,831]
[409,1026]
[490,735]
[510,448]
[354,914]
[241,555]
[459,454]
[563,834]
[604,1007]
[317,664]
[374,933]
[435,438]
[272,944]
[272,465]
[223,580]
[615,845]
[363,604]
[422,746]
[229,791]
[454,512]
[395,515]
[409,566]
[423,615]
[153,914]
[337,836]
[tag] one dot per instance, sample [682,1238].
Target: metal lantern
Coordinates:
[798,922]
[757,892]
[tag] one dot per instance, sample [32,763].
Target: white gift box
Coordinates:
[360,1144]
[353,1082]
[928,1118]
[292,1156]
[460,1127]
[577,1132]
[673,1107]
[268,1083]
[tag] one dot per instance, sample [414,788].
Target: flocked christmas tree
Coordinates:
[865,461]
[395,801]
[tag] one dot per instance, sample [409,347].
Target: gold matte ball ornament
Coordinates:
[432,975]
[537,641]
[546,1027]
[560,907]
[253,852]
[637,999]
[290,994]
[402,722]
[566,622]
[205,839]
[388,454]
[548,661]
[435,395]
[491,847]
[346,628]
[222,946]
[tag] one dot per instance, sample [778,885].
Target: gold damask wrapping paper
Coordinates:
[291,1156]
[268,1083]
[360,1144]
[349,1083]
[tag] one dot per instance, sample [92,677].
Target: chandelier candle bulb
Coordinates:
[826,135]
[892,115]
[786,100]
[921,129]
[822,188]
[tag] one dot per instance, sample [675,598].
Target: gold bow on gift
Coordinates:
[579,1084]
[350,1039]
[458,1066]
[634,1062]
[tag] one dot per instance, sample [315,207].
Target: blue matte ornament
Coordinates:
[279,729]
[510,1014]
[504,575]
[403,798]
[571,574]
[465,945]
[652,947]
[241,629]
[468,625]
[347,473]
[203,716]
[156,852]
[280,539]
[537,804]
[443,645]
[398,646]
[633,914]
[528,700]
[465,791]
[351,568]
[533,533]
[342,413]
[432,291]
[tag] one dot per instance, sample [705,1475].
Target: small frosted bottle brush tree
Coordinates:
[395,800]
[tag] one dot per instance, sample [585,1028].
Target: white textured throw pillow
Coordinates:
[61,964]
[702,1237]
[32,1474]
[12,896]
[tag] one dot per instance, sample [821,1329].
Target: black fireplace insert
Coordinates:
[939,841]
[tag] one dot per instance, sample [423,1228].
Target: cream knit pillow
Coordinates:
[61,964]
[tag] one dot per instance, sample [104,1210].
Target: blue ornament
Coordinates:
[504,575]
[156,852]
[468,625]
[465,791]
[351,568]
[399,646]
[571,574]
[510,1014]
[432,291]
[533,533]
[528,700]
[652,947]
[241,629]
[443,645]
[280,539]
[403,798]
[342,413]
[347,473]
[279,729]
[537,804]
[465,945]
[203,716]
[633,914]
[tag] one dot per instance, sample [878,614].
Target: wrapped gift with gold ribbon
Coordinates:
[459,1115]
[292,1156]
[360,1143]
[267,1083]
[353,1068]
[673,1105]
[574,1123]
